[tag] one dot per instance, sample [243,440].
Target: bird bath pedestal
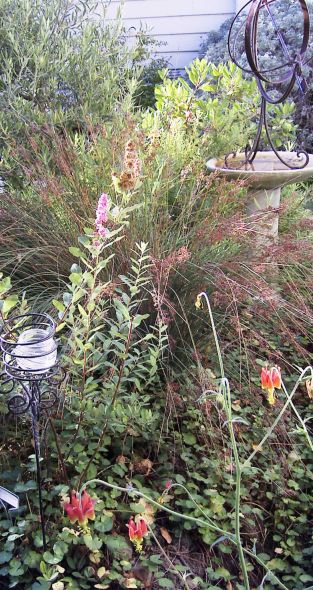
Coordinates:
[265,177]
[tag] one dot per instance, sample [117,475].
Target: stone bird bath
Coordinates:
[265,177]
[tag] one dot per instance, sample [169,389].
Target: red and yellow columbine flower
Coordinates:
[271,380]
[309,388]
[137,531]
[80,509]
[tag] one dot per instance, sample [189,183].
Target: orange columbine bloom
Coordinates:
[80,509]
[137,531]
[309,388]
[271,380]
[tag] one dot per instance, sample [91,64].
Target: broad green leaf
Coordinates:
[92,542]
[165,583]
[9,304]
[276,564]
[5,556]
[5,285]
[25,487]
[75,278]
[58,305]
[76,252]
[78,295]
[189,438]
[52,559]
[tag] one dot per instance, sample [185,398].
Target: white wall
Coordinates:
[240,4]
[181,24]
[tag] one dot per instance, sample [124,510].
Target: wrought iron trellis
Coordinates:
[32,375]
[291,74]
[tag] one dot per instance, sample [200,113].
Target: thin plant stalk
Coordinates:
[278,418]
[299,417]
[225,388]
[166,557]
[198,521]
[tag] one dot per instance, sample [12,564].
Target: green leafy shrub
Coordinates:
[62,63]
[112,356]
[150,73]
[219,98]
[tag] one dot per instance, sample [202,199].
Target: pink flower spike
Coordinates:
[103,232]
[102,215]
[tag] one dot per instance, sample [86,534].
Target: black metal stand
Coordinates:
[282,78]
[34,410]
[31,376]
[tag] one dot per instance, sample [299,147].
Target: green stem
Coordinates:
[197,521]
[299,417]
[280,415]
[132,490]
[226,386]
[181,486]
[166,557]
[59,452]
[217,344]
[227,397]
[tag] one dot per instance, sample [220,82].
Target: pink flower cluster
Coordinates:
[102,215]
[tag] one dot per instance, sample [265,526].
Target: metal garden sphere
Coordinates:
[277,82]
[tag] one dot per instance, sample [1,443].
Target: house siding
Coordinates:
[180,25]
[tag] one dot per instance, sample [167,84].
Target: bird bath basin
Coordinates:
[265,177]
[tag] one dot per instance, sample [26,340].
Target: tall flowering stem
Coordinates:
[306,371]
[225,390]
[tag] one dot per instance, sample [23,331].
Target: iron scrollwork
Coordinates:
[290,73]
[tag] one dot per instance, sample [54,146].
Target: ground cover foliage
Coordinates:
[143,406]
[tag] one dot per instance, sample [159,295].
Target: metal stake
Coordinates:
[35,428]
